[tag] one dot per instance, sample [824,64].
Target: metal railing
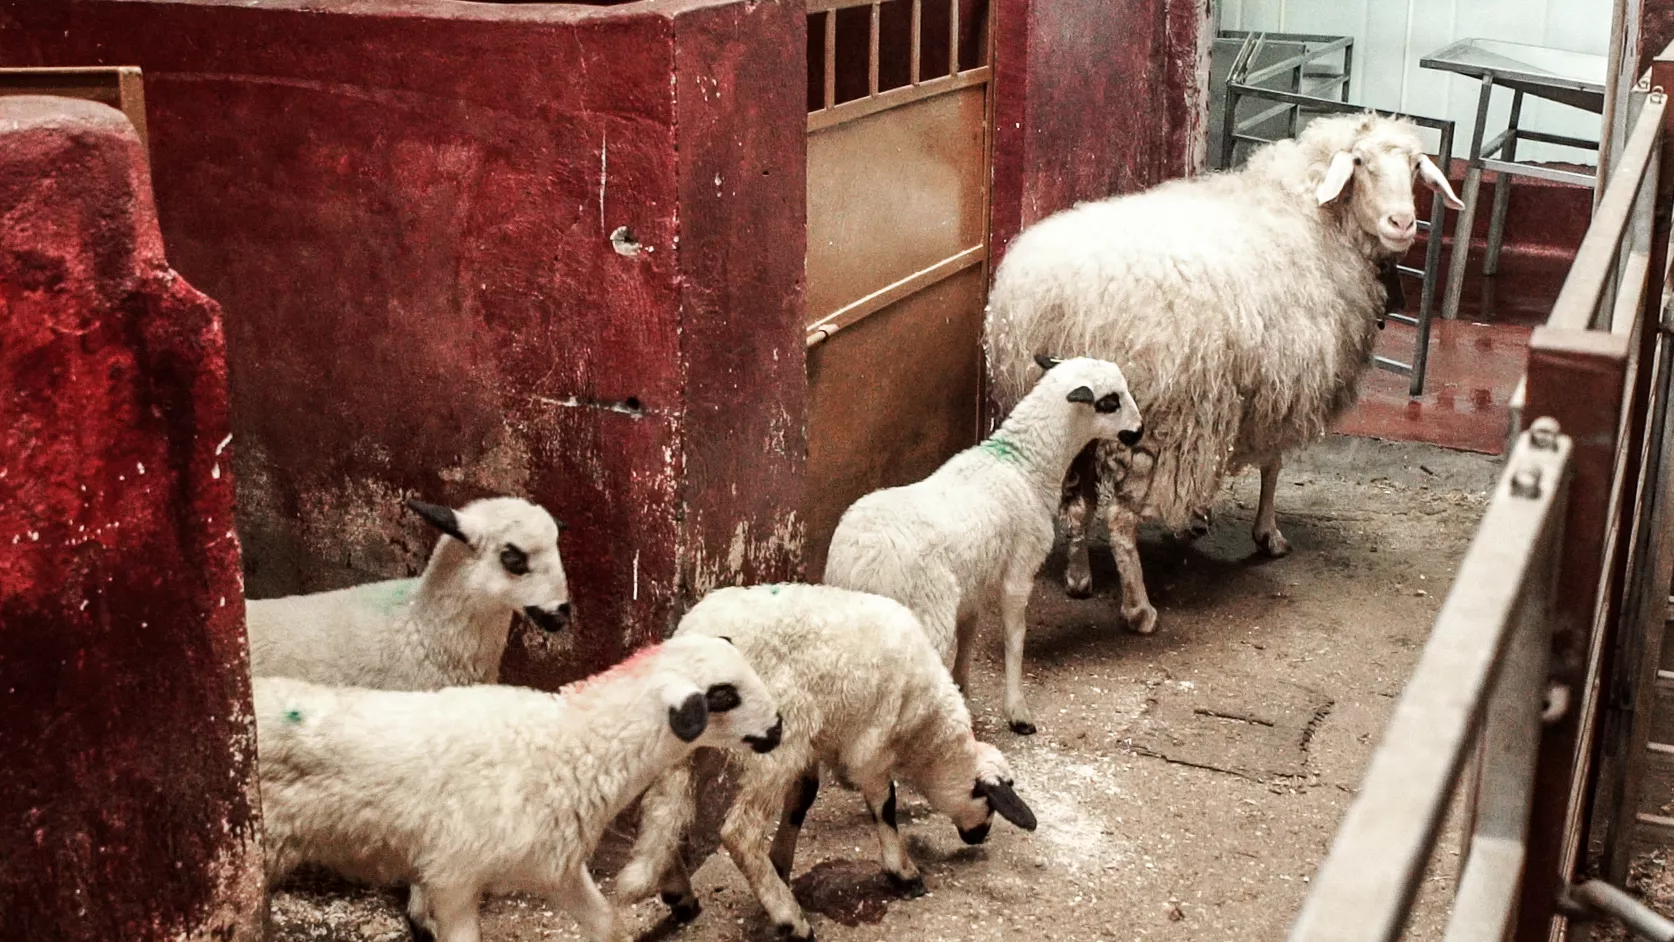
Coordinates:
[1559,597]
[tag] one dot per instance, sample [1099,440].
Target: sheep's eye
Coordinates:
[515,560]
[722,697]
[1109,402]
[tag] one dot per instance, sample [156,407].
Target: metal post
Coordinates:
[1467,216]
[1502,191]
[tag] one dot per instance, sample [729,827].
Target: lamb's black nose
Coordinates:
[1130,437]
[548,620]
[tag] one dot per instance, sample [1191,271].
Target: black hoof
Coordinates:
[785,930]
[910,888]
[683,909]
[1023,728]
[1079,591]
[420,933]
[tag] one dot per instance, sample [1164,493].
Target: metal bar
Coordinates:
[830,62]
[895,97]
[1405,319]
[1577,377]
[1296,61]
[1493,144]
[1544,137]
[1467,216]
[850,314]
[1537,171]
[1656,820]
[1502,190]
[1630,297]
[953,37]
[1432,269]
[872,53]
[1624,31]
[1334,107]
[1393,366]
[1600,897]
[1262,116]
[1234,90]
[1365,886]
[917,39]
[1348,71]
[1582,289]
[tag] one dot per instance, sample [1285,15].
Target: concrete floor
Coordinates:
[1169,808]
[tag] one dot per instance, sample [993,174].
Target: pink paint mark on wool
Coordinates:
[636,665]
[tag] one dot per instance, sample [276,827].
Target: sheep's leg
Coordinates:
[744,834]
[455,911]
[675,889]
[419,922]
[964,643]
[1080,499]
[897,864]
[580,897]
[1266,532]
[1124,545]
[798,799]
[1014,603]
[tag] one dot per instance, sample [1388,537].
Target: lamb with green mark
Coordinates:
[977,530]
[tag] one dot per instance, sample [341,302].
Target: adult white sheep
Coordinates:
[864,695]
[490,788]
[1242,306]
[496,557]
[977,530]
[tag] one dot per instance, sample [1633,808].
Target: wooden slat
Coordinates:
[830,59]
[872,54]
[918,39]
[895,97]
[853,313]
[953,37]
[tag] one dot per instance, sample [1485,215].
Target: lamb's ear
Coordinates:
[1080,394]
[688,712]
[1337,176]
[1045,362]
[439,517]
[1433,178]
[1003,799]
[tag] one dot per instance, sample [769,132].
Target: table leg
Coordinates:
[1502,191]
[1460,255]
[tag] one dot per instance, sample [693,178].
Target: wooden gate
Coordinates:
[899,116]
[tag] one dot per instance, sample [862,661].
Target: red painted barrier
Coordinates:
[127,785]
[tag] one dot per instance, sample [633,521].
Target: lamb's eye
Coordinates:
[722,697]
[1109,402]
[515,560]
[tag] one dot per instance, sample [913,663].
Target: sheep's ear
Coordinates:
[439,517]
[688,715]
[1080,394]
[1045,362]
[1003,799]
[1337,176]
[1433,178]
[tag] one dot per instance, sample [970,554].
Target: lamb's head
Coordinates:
[971,785]
[714,698]
[513,558]
[1099,393]
[1366,165]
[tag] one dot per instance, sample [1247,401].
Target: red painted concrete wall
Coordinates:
[406,207]
[1093,97]
[127,784]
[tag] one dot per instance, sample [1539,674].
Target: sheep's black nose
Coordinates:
[770,740]
[545,620]
[1130,437]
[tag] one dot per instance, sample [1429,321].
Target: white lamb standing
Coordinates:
[865,696]
[976,531]
[490,788]
[1243,307]
[496,557]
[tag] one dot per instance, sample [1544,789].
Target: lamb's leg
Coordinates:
[897,864]
[580,897]
[798,799]
[1014,602]
[1124,545]
[1266,532]
[964,644]
[1079,500]
[675,889]
[455,911]
[744,834]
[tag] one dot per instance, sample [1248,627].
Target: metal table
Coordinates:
[1571,78]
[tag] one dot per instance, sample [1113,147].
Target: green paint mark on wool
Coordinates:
[1002,449]
[293,717]
[386,597]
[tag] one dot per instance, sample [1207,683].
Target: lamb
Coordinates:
[982,524]
[447,627]
[864,694]
[488,787]
[1242,306]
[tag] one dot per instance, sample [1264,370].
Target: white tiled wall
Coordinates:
[1390,36]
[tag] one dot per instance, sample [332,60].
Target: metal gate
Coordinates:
[899,118]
